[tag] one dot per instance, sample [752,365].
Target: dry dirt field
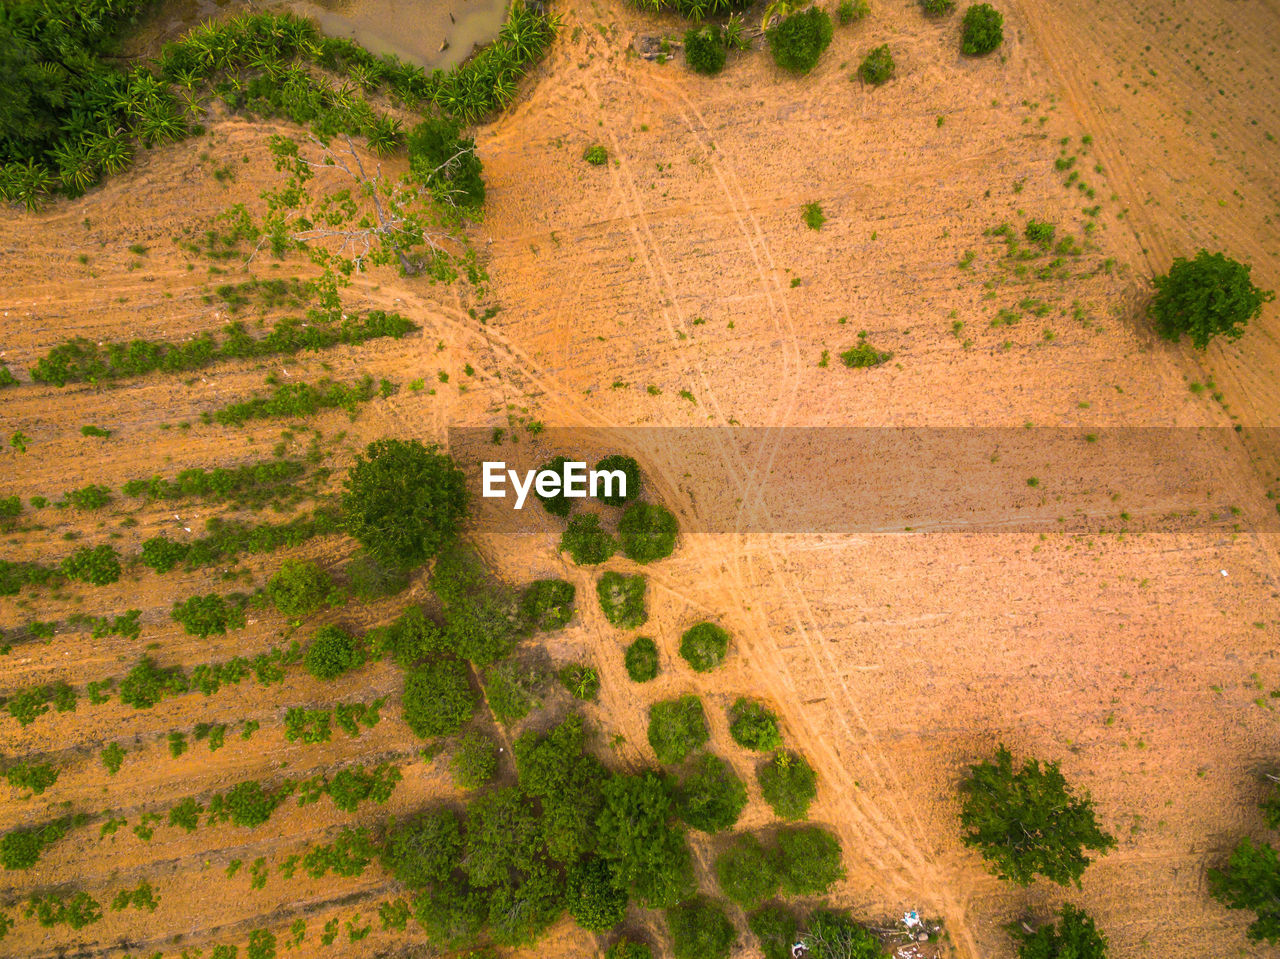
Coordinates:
[1125,624]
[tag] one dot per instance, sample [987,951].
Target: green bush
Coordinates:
[642,660]
[112,756]
[710,796]
[298,588]
[596,155]
[557,504]
[648,532]
[754,726]
[813,216]
[34,776]
[629,949]
[1211,295]
[863,356]
[586,542]
[332,652]
[833,935]
[1073,937]
[676,728]
[451,914]
[647,853]
[983,30]
[582,682]
[513,690]
[704,49]
[438,698]
[98,565]
[848,11]
[476,760]
[547,604]
[423,848]
[630,469]
[798,41]
[596,900]
[90,497]
[1028,822]
[443,160]
[808,860]
[77,910]
[877,67]
[410,638]
[502,834]
[746,872]
[938,8]
[775,927]
[20,848]
[704,646]
[622,599]
[210,615]
[372,579]
[403,501]
[700,930]
[1040,232]
[788,784]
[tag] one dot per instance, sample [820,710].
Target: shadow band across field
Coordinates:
[841,480]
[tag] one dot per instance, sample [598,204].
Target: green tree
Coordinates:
[97,565]
[596,899]
[700,930]
[547,604]
[567,781]
[703,646]
[438,698]
[331,653]
[704,49]
[710,796]
[642,659]
[503,834]
[1251,880]
[1028,822]
[476,760]
[747,872]
[877,68]
[519,912]
[443,160]
[451,914]
[833,935]
[649,856]
[586,541]
[622,599]
[647,532]
[403,501]
[983,30]
[676,728]
[557,504]
[1211,295]
[754,726]
[630,469]
[775,927]
[513,690]
[298,588]
[788,784]
[798,41]
[1074,936]
[423,848]
[808,860]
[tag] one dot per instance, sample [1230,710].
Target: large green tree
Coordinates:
[1251,880]
[1074,936]
[1211,295]
[1029,822]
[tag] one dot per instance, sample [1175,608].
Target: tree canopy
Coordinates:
[1211,295]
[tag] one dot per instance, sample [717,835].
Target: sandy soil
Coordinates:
[1085,622]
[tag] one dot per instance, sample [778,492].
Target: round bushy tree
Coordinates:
[648,532]
[1251,880]
[754,726]
[798,41]
[332,652]
[622,599]
[586,541]
[298,588]
[700,930]
[443,160]
[746,872]
[676,728]
[808,860]
[983,30]
[703,646]
[1209,296]
[403,501]
[788,784]
[642,659]
[424,848]
[547,604]
[877,67]
[710,796]
[1028,822]
[630,469]
[596,900]
[557,504]
[95,565]
[704,49]
[1074,937]
[775,927]
[438,697]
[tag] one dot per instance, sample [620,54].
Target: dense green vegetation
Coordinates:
[798,41]
[982,31]
[641,659]
[647,532]
[547,604]
[754,726]
[622,599]
[1209,296]
[705,49]
[788,784]
[1073,936]
[877,67]
[710,796]
[703,646]
[700,930]
[586,541]
[445,161]
[676,728]
[1029,822]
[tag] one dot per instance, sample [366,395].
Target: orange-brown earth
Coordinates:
[1081,622]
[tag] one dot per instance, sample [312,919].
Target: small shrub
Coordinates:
[1040,233]
[676,728]
[443,160]
[799,40]
[983,30]
[586,542]
[642,659]
[788,784]
[596,155]
[209,615]
[647,532]
[863,355]
[630,469]
[808,860]
[476,760]
[112,756]
[849,11]
[703,646]
[700,930]
[332,652]
[754,726]
[34,776]
[547,604]
[582,682]
[938,8]
[298,588]
[90,497]
[1211,295]
[97,565]
[775,927]
[813,216]
[877,66]
[746,872]
[1074,936]
[622,599]
[438,698]
[710,796]
[704,49]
